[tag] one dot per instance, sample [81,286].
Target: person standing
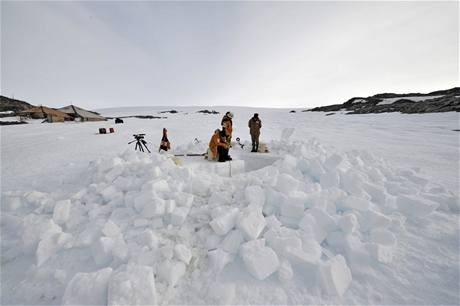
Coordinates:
[164,144]
[254,125]
[227,126]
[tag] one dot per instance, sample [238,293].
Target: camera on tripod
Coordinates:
[140,142]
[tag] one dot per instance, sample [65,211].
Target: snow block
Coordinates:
[280,243]
[293,206]
[132,285]
[381,253]
[251,222]
[329,179]
[171,272]
[372,219]
[260,261]
[225,222]
[285,271]
[310,227]
[47,247]
[102,251]
[154,208]
[148,238]
[232,241]
[182,253]
[286,183]
[88,288]
[218,259]
[415,207]
[255,195]
[306,262]
[61,212]
[335,276]
[348,223]
[179,215]
[109,193]
[111,229]
[353,202]
[332,162]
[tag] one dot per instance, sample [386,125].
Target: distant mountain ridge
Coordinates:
[437,101]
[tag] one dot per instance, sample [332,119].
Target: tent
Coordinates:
[43,112]
[81,114]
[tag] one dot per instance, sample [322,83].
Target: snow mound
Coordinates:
[149,226]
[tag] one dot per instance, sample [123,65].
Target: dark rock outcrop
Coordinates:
[13,105]
[436,101]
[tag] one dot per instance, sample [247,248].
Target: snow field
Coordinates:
[152,225]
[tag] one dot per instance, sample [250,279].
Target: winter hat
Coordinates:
[256,115]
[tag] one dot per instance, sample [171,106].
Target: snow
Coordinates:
[353,216]
[415,99]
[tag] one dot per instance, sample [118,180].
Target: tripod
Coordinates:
[140,142]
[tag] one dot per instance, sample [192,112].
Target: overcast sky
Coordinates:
[270,54]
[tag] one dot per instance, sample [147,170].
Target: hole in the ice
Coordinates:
[242,162]
[256,161]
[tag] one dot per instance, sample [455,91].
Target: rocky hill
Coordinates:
[433,102]
[13,105]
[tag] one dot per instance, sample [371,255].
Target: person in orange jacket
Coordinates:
[218,147]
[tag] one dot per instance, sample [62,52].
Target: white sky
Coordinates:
[270,54]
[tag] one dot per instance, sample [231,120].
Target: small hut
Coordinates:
[42,112]
[80,114]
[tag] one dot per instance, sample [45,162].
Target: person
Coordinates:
[254,125]
[227,126]
[164,144]
[223,147]
[214,143]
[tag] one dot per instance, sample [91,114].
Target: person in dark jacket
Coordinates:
[222,149]
[227,126]
[164,144]
[254,125]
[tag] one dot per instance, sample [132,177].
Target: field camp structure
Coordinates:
[67,113]
[42,112]
[80,114]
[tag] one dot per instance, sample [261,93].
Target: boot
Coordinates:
[253,148]
[257,148]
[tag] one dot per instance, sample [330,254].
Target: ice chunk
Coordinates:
[294,205]
[171,271]
[218,259]
[413,206]
[111,229]
[61,212]
[255,195]
[251,222]
[148,238]
[353,202]
[335,276]
[373,219]
[184,199]
[381,253]
[348,223]
[286,183]
[329,179]
[154,208]
[102,251]
[260,261]
[182,253]
[109,193]
[200,186]
[280,243]
[179,215]
[306,262]
[332,162]
[323,219]
[272,222]
[352,182]
[47,248]
[225,222]
[132,285]
[88,288]
[232,241]
[285,272]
